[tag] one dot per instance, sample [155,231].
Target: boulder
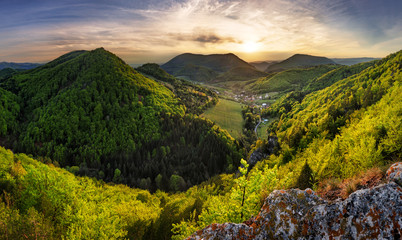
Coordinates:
[374,213]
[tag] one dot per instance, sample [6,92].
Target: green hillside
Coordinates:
[214,67]
[94,114]
[335,75]
[195,97]
[353,61]
[9,109]
[196,73]
[298,61]
[8,72]
[350,126]
[240,74]
[289,80]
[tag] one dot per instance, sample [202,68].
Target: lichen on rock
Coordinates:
[295,214]
[394,173]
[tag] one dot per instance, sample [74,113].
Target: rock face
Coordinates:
[295,214]
[271,147]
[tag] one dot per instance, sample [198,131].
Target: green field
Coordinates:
[227,115]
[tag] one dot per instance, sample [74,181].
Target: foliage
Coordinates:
[239,204]
[306,178]
[348,127]
[298,61]
[91,110]
[41,201]
[196,98]
[204,68]
[293,79]
[9,109]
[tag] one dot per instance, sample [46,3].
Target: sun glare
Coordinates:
[249,47]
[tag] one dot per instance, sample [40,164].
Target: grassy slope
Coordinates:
[226,114]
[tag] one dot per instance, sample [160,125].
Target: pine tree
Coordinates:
[306,178]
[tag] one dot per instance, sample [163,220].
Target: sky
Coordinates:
[141,31]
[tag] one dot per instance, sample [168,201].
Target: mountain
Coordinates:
[8,72]
[337,74]
[23,66]
[205,68]
[289,80]
[356,114]
[353,61]
[195,97]
[90,111]
[299,61]
[240,74]
[262,65]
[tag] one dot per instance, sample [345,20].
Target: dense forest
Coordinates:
[196,98]
[342,124]
[289,80]
[95,115]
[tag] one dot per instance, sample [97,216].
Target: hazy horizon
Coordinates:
[157,30]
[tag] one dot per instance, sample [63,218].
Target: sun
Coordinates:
[249,47]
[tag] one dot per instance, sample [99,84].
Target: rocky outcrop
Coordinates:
[295,214]
[271,147]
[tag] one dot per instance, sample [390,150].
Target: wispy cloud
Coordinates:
[154,30]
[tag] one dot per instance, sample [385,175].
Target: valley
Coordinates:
[142,153]
[200,119]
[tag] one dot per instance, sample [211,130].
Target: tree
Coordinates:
[117,176]
[245,195]
[306,178]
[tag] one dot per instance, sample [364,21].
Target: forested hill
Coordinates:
[352,125]
[217,62]
[214,67]
[299,61]
[23,66]
[195,97]
[97,116]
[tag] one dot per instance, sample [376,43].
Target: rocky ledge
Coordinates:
[374,213]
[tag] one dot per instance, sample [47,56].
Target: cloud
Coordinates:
[165,28]
[203,36]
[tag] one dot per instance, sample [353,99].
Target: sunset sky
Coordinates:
[157,30]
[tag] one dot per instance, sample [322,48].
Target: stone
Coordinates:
[394,173]
[271,147]
[374,213]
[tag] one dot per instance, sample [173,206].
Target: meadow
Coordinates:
[227,115]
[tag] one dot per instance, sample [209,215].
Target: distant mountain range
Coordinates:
[299,61]
[353,61]
[24,66]
[214,67]
[262,65]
